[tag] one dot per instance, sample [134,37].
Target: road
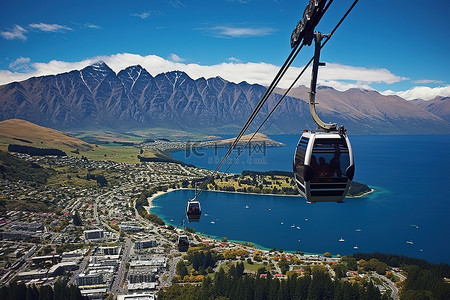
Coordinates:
[394,294]
[82,267]
[24,263]
[119,277]
[171,271]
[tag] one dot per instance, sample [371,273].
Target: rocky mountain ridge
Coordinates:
[96,97]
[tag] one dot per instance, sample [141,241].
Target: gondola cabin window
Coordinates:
[330,158]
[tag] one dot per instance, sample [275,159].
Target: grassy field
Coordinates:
[260,184]
[24,133]
[252,267]
[76,177]
[268,182]
[138,135]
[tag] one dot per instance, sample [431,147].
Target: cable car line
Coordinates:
[294,52]
[296,49]
[280,74]
[263,122]
[194,202]
[328,37]
[256,110]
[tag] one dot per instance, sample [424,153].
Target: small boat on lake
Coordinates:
[212,222]
[293,226]
[298,227]
[356,248]
[410,242]
[358,230]
[247,206]
[341,239]
[282,223]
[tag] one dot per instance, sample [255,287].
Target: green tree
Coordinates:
[351,263]
[239,269]
[32,293]
[181,269]
[340,270]
[283,264]
[261,270]
[45,292]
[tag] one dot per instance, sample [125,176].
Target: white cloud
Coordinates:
[236,31]
[20,64]
[175,58]
[334,71]
[427,81]
[146,14]
[176,3]
[143,15]
[343,86]
[92,26]
[50,27]
[421,92]
[16,33]
[234,60]
[340,77]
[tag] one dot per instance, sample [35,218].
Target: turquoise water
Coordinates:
[410,174]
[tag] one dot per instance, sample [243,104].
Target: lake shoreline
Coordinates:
[160,193]
[218,238]
[152,197]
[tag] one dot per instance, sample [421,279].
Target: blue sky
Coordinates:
[397,47]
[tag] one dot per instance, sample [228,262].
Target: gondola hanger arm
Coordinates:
[312,94]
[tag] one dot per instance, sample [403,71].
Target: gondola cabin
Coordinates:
[183,243]
[323,166]
[193,211]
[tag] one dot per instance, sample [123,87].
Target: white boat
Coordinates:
[205,215]
[409,242]
[212,222]
[356,248]
[247,206]
[298,227]
[358,230]
[293,226]
[341,239]
[282,223]
[306,219]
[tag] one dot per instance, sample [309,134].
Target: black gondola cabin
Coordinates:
[323,166]
[183,243]
[193,211]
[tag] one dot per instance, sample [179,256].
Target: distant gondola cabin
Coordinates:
[183,243]
[193,211]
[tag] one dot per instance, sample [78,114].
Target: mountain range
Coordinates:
[97,97]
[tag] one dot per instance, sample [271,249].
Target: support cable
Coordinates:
[328,37]
[264,98]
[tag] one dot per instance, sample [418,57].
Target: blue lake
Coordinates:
[410,174]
